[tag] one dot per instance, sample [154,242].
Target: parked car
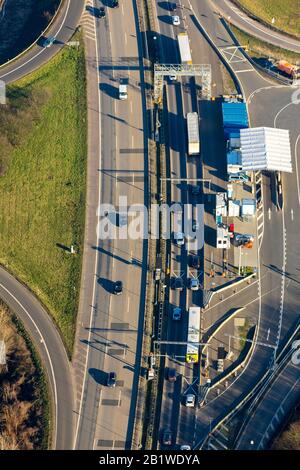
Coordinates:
[171,375]
[179,238]
[111,379]
[185,447]
[115,3]
[173,6]
[118,287]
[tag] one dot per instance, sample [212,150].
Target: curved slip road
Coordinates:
[62,29]
[47,341]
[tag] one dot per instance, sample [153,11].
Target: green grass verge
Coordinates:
[285,12]
[42,187]
[258,48]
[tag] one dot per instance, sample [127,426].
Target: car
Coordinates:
[190,400]
[176,313]
[111,379]
[118,287]
[171,376]
[179,238]
[177,283]
[167,438]
[175,20]
[195,262]
[101,12]
[115,3]
[173,6]
[122,91]
[48,41]
[194,284]
[195,190]
[172,78]
[185,447]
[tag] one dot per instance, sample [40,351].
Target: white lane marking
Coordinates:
[246,70]
[47,352]
[119,399]
[268,334]
[126,38]
[97,251]
[292,214]
[43,50]
[131,107]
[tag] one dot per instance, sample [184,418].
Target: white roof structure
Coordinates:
[2,353]
[266,148]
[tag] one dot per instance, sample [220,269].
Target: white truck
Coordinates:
[184,48]
[193,133]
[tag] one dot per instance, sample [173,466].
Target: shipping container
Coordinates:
[193,134]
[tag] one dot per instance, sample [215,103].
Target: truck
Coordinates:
[192,349]
[193,133]
[184,48]
[289,69]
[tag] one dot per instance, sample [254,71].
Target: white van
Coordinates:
[122,92]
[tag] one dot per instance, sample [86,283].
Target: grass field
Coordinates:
[285,12]
[257,48]
[42,183]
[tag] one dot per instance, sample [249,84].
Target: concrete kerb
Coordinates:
[35,42]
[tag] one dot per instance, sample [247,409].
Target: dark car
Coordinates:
[118,287]
[195,262]
[171,376]
[115,3]
[111,379]
[177,283]
[167,438]
[101,12]
[173,6]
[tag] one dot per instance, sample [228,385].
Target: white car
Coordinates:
[176,313]
[185,447]
[179,238]
[175,20]
[194,284]
[190,400]
[172,78]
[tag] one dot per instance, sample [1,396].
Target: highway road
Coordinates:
[48,343]
[273,408]
[240,19]
[274,315]
[111,327]
[62,30]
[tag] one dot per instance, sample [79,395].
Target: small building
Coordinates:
[248,207]
[223,237]
[221,205]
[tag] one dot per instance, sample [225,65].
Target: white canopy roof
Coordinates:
[266,148]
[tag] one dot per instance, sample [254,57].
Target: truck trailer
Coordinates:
[184,48]
[289,69]
[192,349]
[193,133]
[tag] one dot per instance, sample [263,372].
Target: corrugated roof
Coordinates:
[266,148]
